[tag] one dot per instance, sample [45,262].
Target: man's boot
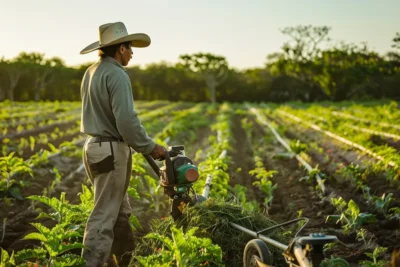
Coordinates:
[123,244]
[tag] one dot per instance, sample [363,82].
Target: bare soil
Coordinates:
[242,161]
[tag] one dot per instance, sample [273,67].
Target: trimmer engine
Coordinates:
[177,176]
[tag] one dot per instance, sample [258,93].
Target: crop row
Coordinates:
[388,156]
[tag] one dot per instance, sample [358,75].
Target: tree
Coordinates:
[213,68]
[298,55]
[348,70]
[394,56]
[3,78]
[305,42]
[12,70]
[41,69]
[396,41]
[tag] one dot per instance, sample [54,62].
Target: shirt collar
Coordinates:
[113,61]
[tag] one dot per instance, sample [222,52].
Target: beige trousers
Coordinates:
[110,215]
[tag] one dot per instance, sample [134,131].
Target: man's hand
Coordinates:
[158,152]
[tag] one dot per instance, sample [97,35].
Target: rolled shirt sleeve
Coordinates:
[127,121]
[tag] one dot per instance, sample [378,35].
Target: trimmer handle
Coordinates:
[153,164]
[172,152]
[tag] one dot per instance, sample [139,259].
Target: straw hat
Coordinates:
[115,33]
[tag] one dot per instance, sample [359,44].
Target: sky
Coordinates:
[244,32]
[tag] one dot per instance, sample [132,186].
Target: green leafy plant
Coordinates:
[382,203]
[366,191]
[23,143]
[39,159]
[70,149]
[334,262]
[263,181]
[374,256]
[259,172]
[339,203]
[7,260]
[312,174]
[240,192]
[53,149]
[63,212]
[354,172]
[362,234]
[4,149]
[20,128]
[56,241]
[60,207]
[297,147]
[351,218]
[32,142]
[394,213]
[10,166]
[183,249]
[65,236]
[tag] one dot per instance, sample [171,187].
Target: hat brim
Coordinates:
[136,39]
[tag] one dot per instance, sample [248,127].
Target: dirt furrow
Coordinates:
[242,160]
[292,198]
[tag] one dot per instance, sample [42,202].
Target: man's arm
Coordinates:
[128,124]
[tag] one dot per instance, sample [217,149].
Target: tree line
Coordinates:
[301,71]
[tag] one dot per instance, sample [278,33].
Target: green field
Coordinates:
[282,161]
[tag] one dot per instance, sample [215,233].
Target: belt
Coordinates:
[99,139]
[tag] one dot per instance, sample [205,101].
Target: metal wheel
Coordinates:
[255,252]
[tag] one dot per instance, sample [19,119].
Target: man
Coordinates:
[110,121]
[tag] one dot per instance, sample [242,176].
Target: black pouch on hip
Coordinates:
[105,165]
